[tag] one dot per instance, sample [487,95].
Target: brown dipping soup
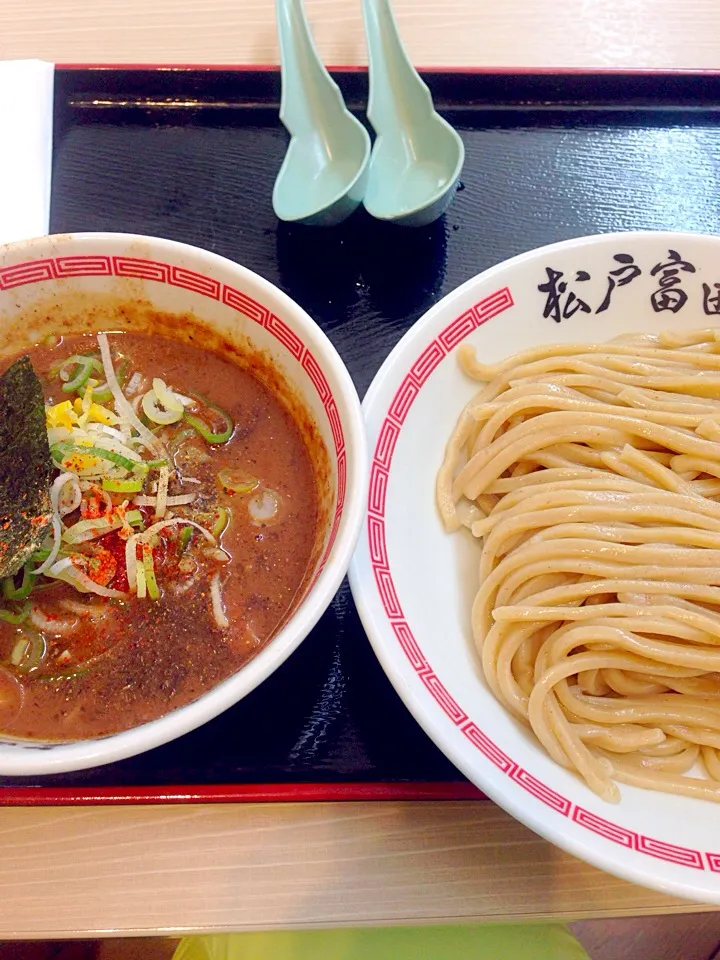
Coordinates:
[107,664]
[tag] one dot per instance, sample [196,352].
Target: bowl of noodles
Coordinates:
[539,572]
[182,475]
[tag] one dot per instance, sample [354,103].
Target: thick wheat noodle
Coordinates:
[706,738]
[625,738]
[589,474]
[711,761]
[667,748]
[557,351]
[561,427]
[680,762]
[526,529]
[558,403]
[694,385]
[629,684]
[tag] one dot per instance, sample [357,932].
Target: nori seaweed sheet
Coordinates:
[26,467]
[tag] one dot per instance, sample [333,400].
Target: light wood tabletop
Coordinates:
[515,33]
[124,870]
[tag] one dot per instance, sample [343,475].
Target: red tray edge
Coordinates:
[236,793]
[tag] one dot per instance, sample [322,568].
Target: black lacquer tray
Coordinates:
[191,154]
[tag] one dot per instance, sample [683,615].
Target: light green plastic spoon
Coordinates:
[417,157]
[324,173]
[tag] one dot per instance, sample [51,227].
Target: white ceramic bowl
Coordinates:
[242,307]
[414,584]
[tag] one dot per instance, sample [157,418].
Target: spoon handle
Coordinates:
[309,94]
[396,89]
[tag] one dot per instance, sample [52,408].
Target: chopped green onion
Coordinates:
[29,651]
[84,368]
[60,450]
[149,568]
[156,464]
[69,675]
[59,677]
[40,556]
[140,582]
[234,481]
[206,432]
[122,486]
[122,370]
[222,518]
[102,394]
[63,370]
[9,617]
[142,468]
[64,448]
[110,455]
[186,535]
[11,592]
[134,518]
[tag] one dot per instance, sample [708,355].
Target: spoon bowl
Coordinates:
[418,156]
[323,176]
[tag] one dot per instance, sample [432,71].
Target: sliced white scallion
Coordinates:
[106,499]
[157,412]
[70,496]
[264,507]
[168,398]
[66,570]
[218,554]
[91,611]
[162,492]
[131,564]
[54,550]
[85,530]
[55,625]
[139,442]
[102,429]
[122,404]
[58,484]
[134,383]
[57,488]
[57,435]
[217,603]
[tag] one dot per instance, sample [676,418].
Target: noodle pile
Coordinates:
[591,474]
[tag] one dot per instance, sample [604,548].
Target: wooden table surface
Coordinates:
[82,871]
[538,33]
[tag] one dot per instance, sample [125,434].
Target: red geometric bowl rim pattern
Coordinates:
[101,265]
[381,463]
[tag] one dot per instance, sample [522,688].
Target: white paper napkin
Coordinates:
[26,117]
